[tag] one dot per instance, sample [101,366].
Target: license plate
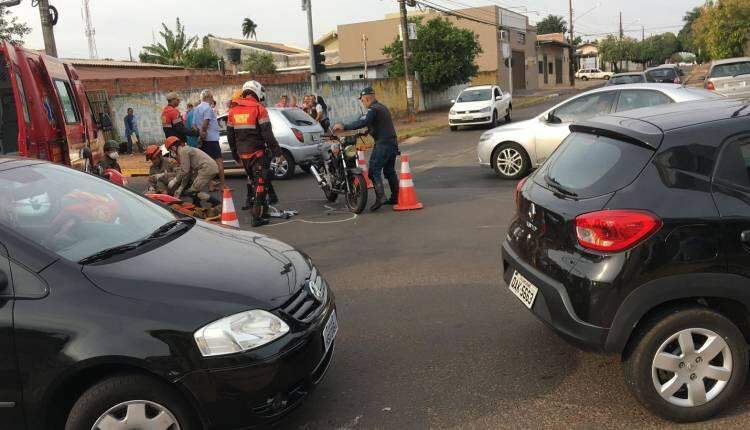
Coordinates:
[330,330]
[467,117]
[523,289]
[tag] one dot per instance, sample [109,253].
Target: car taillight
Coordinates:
[677,80]
[518,192]
[710,86]
[614,230]
[298,134]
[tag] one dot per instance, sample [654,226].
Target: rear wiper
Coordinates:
[552,182]
[121,249]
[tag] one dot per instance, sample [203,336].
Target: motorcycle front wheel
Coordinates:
[356,198]
[331,195]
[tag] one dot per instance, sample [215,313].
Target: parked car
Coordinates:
[116,312]
[666,74]
[627,78]
[586,74]
[730,77]
[480,105]
[46,113]
[633,239]
[299,136]
[516,149]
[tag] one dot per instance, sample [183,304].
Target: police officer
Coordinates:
[250,137]
[383,159]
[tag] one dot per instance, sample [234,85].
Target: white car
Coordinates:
[516,149]
[586,74]
[481,105]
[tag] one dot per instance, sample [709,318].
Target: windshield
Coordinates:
[626,79]
[297,117]
[731,69]
[662,75]
[475,95]
[74,214]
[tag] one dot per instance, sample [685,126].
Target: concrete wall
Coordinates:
[552,53]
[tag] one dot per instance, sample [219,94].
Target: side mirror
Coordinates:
[552,119]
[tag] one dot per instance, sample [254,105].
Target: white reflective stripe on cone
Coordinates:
[406,183]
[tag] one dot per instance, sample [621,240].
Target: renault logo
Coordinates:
[532,211]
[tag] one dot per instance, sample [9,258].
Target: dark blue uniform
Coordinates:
[383,158]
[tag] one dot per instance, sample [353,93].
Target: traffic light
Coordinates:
[319,58]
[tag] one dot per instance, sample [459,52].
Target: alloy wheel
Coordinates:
[281,169]
[692,367]
[509,161]
[137,414]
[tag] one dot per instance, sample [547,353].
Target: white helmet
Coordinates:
[255,87]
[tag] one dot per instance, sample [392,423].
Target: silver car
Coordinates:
[299,136]
[514,149]
[730,77]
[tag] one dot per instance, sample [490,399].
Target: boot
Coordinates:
[379,197]
[259,222]
[394,198]
[249,199]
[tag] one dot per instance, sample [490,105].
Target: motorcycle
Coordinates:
[337,173]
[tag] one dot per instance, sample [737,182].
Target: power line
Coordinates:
[635,30]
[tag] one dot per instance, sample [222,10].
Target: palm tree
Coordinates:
[173,49]
[248,29]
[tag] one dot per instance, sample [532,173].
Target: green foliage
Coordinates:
[12,30]
[259,63]
[443,54]
[249,28]
[722,30]
[202,58]
[657,49]
[686,36]
[172,50]
[613,50]
[552,24]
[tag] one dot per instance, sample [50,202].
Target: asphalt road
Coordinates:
[429,335]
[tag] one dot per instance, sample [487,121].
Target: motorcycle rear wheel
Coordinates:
[356,198]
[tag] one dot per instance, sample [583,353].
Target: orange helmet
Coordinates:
[152,151]
[171,141]
[236,96]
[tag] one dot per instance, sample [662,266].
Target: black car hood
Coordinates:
[211,268]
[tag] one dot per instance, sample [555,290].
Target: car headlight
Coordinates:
[452,112]
[240,332]
[487,109]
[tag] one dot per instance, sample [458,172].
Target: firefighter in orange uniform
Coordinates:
[250,137]
[171,119]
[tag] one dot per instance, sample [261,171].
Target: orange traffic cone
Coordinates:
[407,197]
[362,164]
[228,214]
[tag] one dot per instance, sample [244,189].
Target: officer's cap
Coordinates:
[367,91]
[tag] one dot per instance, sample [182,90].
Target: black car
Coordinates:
[634,239]
[116,312]
[627,78]
[665,74]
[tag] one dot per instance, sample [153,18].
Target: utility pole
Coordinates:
[405,43]
[364,51]
[571,52]
[307,5]
[130,54]
[88,27]
[621,32]
[50,48]
[643,33]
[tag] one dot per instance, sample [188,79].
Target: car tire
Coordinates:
[493,124]
[286,170]
[663,336]
[454,128]
[130,392]
[518,162]
[509,114]
[584,78]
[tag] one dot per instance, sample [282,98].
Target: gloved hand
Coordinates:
[172,183]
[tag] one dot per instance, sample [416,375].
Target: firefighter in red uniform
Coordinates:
[171,120]
[250,136]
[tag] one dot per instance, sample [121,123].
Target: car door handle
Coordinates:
[745,237]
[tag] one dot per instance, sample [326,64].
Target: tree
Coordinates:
[259,63]
[12,30]
[248,29]
[722,30]
[173,49]
[552,24]
[202,58]
[443,54]
[686,33]
[613,50]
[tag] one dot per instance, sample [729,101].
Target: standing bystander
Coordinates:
[282,102]
[208,141]
[131,131]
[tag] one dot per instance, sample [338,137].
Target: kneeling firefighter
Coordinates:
[250,137]
[195,166]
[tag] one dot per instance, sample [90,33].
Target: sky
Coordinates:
[123,24]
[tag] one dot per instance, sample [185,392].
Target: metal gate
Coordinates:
[519,70]
[559,71]
[99,102]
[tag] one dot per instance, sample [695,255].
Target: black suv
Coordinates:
[634,238]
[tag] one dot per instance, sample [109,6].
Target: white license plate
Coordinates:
[523,289]
[467,117]
[330,330]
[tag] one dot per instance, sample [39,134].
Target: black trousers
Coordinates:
[259,185]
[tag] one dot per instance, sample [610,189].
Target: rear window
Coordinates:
[626,79]
[663,75]
[297,117]
[589,165]
[731,69]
